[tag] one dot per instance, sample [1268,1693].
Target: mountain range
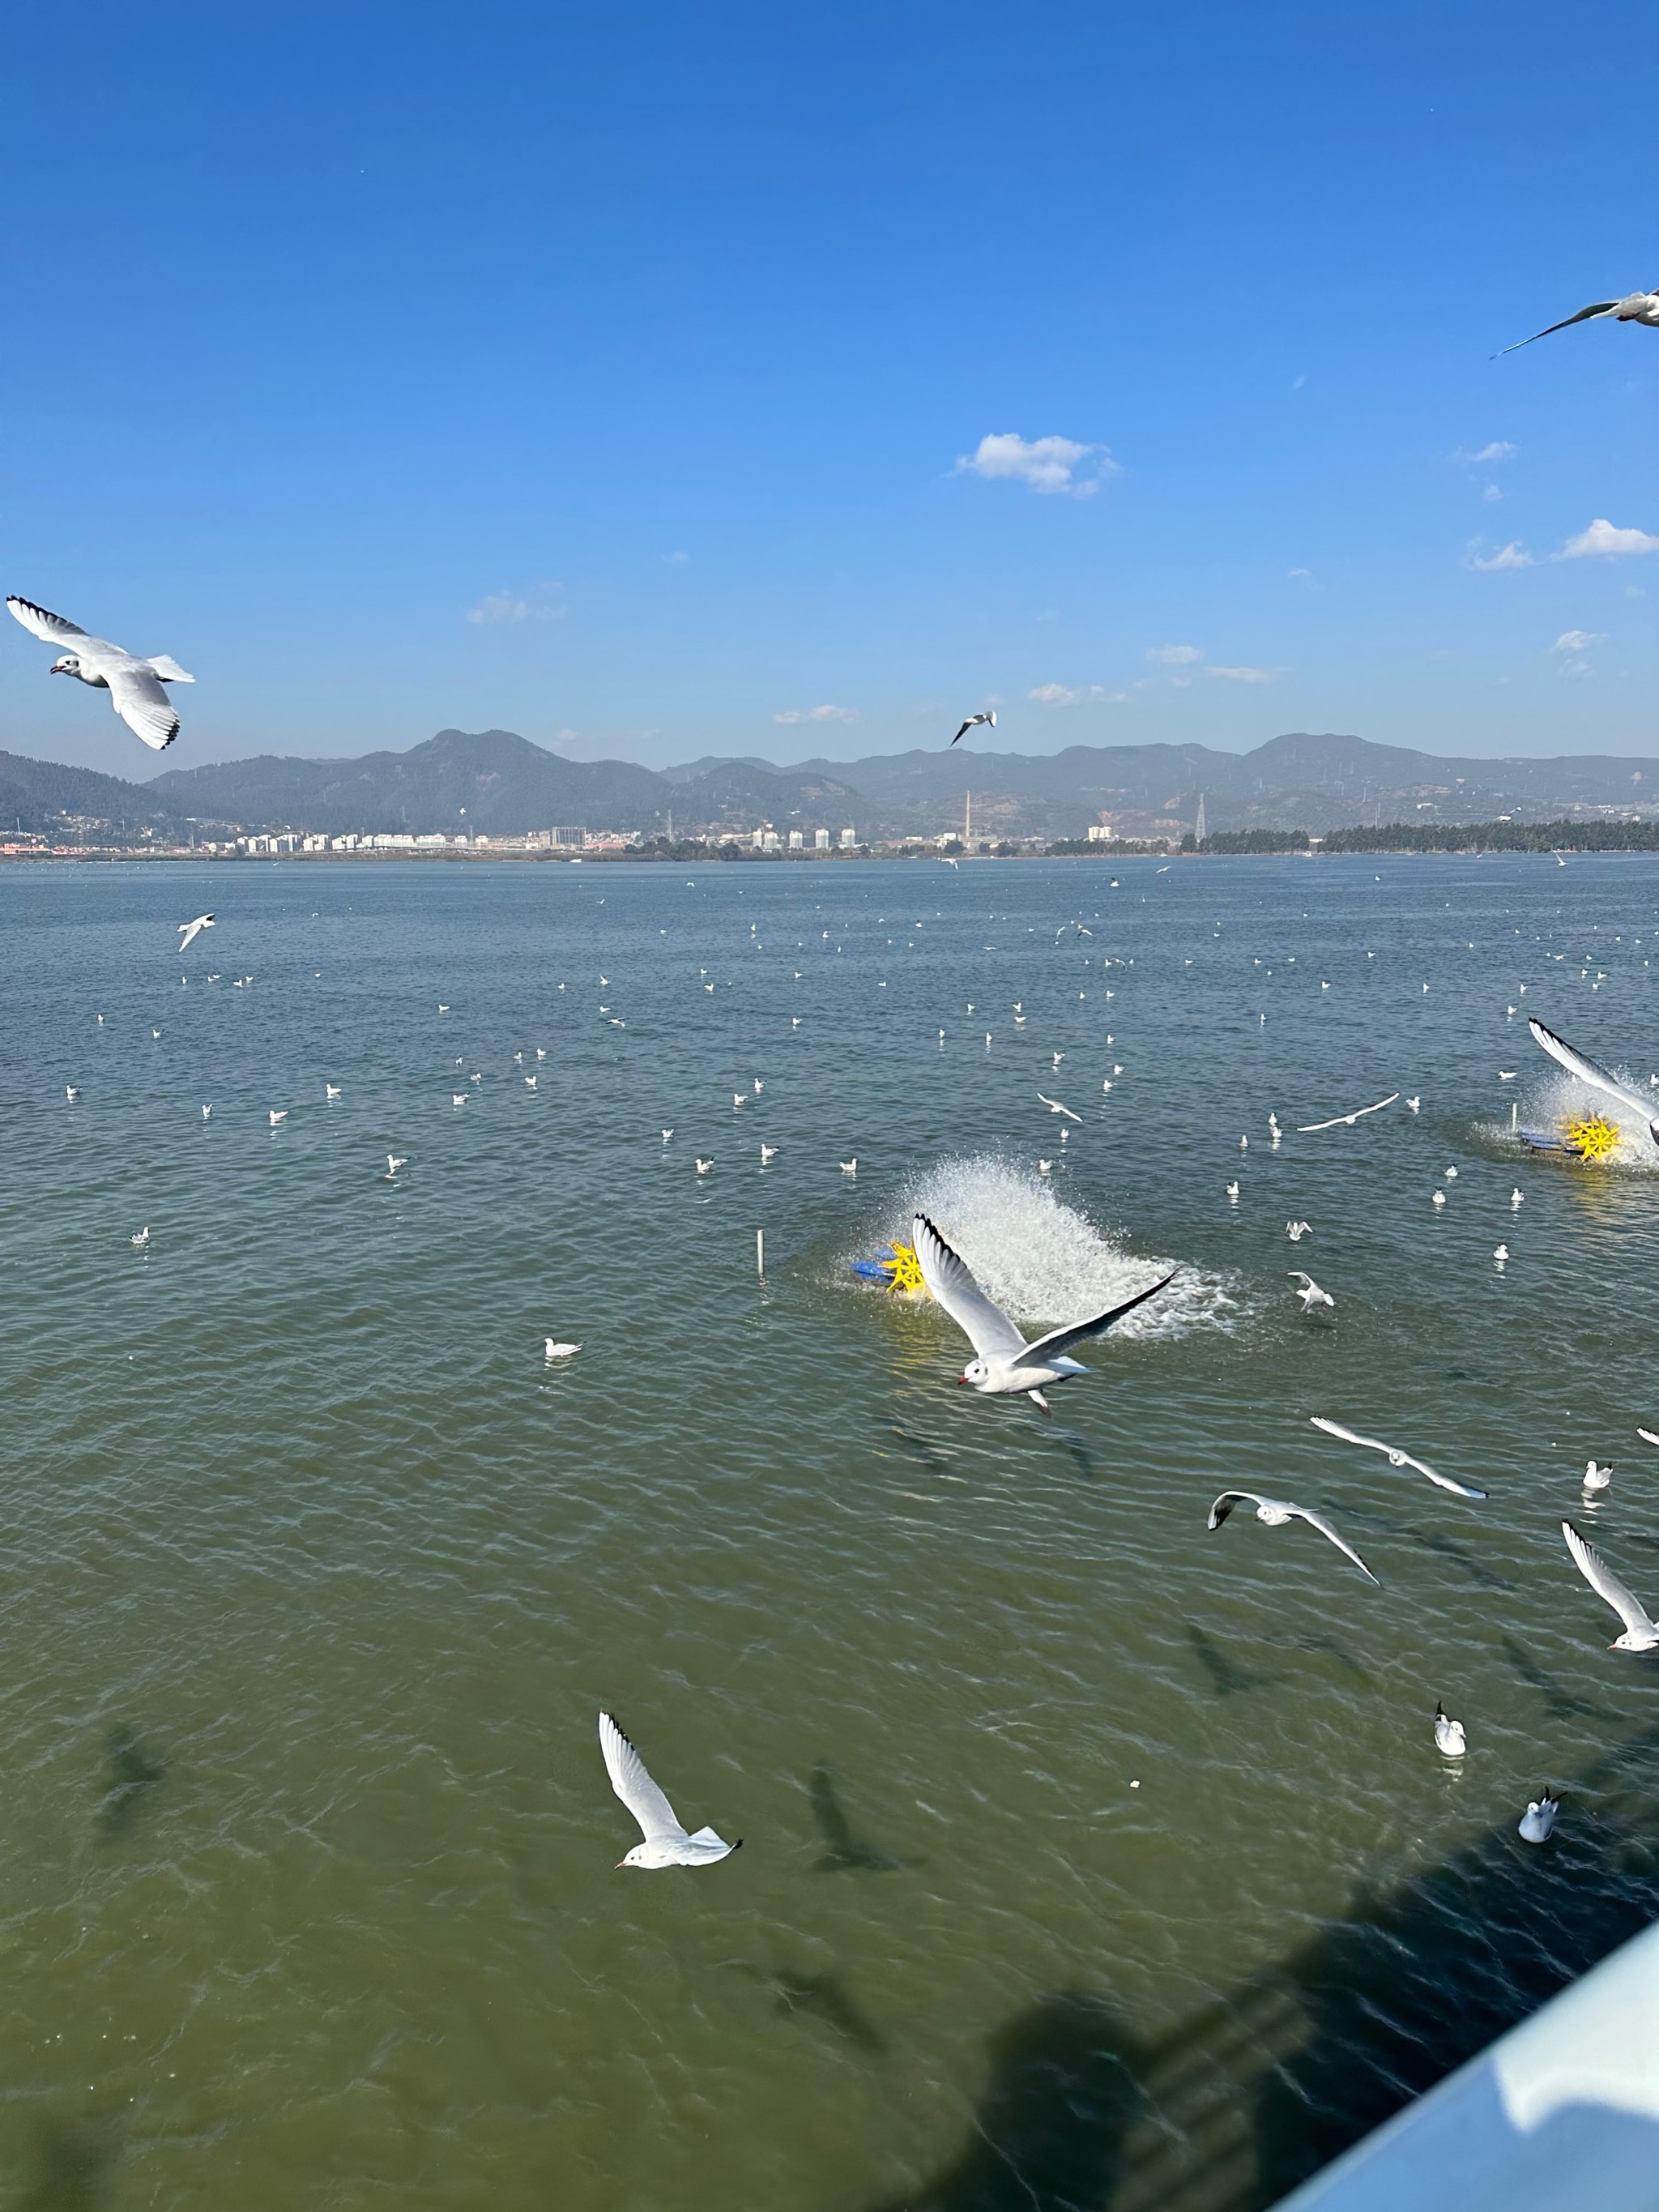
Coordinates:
[495,783]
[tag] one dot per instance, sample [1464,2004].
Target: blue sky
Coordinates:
[606,374]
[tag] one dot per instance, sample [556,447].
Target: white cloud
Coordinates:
[1578,641]
[541,602]
[1602,537]
[1246,675]
[1303,576]
[1512,556]
[1499,450]
[1061,694]
[792,716]
[1174,656]
[1048,465]
[1491,495]
[676,560]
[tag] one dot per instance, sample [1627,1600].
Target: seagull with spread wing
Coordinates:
[1594,1077]
[190,931]
[1640,1633]
[1054,1107]
[1345,1120]
[1394,1456]
[989,718]
[1275,1512]
[666,1843]
[1004,1361]
[1635,307]
[137,686]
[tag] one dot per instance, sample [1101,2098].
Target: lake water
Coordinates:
[1090,1860]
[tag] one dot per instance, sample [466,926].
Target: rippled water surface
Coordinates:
[1089,1859]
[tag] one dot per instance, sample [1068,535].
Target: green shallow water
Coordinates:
[316,1573]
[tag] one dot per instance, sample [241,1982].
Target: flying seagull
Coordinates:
[1345,1120]
[1276,1511]
[190,931]
[666,1844]
[1310,1293]
[1395,1457]
[1588,1072]
[136,685]
[973,721]
[1054,1107]
[1004,1361]
[1640,1633]
[1634,308]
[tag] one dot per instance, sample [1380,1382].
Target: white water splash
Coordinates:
[1562,1098]
[1043,1262]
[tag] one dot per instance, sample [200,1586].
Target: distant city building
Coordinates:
[848,840]
[562,837]
[1100,833]
[797,840]
[1200,828]
[820,840]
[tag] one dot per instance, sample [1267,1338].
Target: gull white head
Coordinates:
[1449,1740]
[67,663]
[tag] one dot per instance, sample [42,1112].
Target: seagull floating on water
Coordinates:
[135,684]
[1596,1480]
[1394,1456]
[1275,1512]
[666,1843]
[71,1091]
[278,1116]
[1449,1740]
[1640,1633]
[1539,1819]
[555,1350]
[394,1161]
[1004,1363]
[142,1238]
[190,931]
[330,1091]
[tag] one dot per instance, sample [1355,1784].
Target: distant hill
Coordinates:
[50,801]
[489,782]
[1295,781]
[495,783]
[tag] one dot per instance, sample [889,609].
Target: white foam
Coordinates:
[1562,1098]
[1042,1260]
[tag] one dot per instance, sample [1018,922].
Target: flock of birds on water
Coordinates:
[1006,1363]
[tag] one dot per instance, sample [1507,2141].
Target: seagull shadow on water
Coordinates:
[844,1852]
[820,1997]
[1226,1678]
[918,1449]
[133,1779]
[1561,1703]
[1482,1576]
